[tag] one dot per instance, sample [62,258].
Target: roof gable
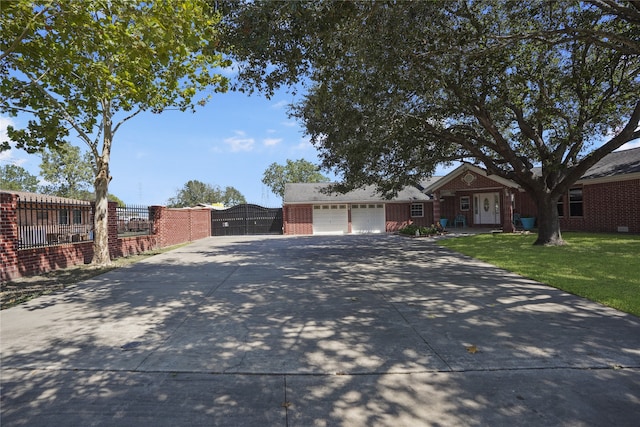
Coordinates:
[460,171]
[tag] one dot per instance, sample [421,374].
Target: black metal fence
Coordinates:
[134,221]
[50,220]
[246,219]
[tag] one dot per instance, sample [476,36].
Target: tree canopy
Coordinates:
[66,172]
[17,178]
[83,69]
[400,87]
[195,192]
[276,175]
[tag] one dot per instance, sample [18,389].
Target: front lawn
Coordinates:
[601,267]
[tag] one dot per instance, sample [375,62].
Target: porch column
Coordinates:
[507,212]
[436,206]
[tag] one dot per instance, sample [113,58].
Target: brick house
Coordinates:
[605,199]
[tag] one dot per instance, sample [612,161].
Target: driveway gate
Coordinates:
[246,219]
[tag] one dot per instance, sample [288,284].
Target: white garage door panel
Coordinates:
[330,219]
[368,218]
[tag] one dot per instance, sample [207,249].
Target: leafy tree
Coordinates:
[195,192]
[17,178]
[89,67]
[231,197]
[67,173]
[400,87]
[276,176]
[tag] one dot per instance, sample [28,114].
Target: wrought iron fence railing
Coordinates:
[50,220]
[134,220]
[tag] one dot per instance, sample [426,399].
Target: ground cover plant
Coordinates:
[601,267]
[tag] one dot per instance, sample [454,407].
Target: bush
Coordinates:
[410,230]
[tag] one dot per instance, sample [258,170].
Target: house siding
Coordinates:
[607,206]
[298,219]
[398,215]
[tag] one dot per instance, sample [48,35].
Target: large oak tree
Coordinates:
[82,69]
[398,87]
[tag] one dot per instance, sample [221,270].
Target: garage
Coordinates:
[330,219]
[367,218]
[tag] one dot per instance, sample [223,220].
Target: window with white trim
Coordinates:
[417,210]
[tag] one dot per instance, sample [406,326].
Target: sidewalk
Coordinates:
[317,331]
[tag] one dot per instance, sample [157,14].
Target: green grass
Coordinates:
[601,267]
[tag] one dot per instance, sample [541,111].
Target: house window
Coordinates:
[465,203]
[560,207]
[417,210]
[63,216]
[77,216]
[575,202]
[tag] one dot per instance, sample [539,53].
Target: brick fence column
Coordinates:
[159,227]
[9,236]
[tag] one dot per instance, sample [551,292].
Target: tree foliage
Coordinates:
[83,69]
[276,175]
[66,172]
[17,178]
[398,88]
[195,192]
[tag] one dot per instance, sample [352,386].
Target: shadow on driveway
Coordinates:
[348,330]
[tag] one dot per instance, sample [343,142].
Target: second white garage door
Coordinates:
[368,218]
[330,219]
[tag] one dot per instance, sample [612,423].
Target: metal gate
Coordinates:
[246,219]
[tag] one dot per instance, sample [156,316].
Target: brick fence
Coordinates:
[171,227]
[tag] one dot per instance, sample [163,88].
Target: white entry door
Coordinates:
[330,219]
[368,218]
[486,208]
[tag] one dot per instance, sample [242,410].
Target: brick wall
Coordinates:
[607,206]
[297,219]
[172,226]
[398,215]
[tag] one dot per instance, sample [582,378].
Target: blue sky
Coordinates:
[229,142]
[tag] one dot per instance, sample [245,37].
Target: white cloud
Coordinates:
[270,142]
[240,142]
[9,156]
[280,104]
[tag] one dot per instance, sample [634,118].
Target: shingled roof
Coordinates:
[312,193]
[617,163]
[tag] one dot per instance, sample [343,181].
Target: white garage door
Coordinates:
[330,219]
[368,218]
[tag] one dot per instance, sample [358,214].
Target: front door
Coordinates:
[486,208]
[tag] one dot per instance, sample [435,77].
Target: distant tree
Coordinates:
[232,197]
[67,173]
[89,67]
[17,178]
[276,175]
[195,192]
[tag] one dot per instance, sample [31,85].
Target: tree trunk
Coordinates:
[101,254]
[548,222]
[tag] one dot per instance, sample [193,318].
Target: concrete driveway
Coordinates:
[317,331]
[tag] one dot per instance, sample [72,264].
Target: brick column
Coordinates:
[9,236]
[159,227]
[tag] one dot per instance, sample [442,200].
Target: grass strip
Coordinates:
[604,268]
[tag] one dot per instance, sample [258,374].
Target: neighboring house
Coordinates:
[605,199]
[44,219]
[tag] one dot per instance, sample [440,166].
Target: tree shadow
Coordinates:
[348,330]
